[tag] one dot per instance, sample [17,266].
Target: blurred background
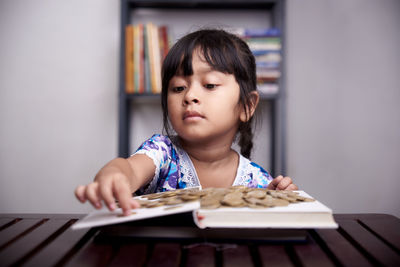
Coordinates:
[59,67]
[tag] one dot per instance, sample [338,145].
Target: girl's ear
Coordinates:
[247,111]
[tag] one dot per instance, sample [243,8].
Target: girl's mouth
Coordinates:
[192,115]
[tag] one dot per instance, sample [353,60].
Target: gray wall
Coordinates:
[343,102]
[58,101]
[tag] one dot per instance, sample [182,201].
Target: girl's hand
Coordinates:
[108,187]
[282,183]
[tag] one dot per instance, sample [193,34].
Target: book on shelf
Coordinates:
[267,88]
[129,83]
[265,44]
[156,63]
[138,58]
[235,207]
[257,32]
[147,45]
[145,48]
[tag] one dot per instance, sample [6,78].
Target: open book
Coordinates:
[236,207]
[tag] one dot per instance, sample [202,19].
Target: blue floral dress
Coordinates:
[175,170]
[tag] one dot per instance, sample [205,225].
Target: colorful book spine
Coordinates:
[266,47]
[146,47]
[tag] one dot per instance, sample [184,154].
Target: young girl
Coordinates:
[208,97]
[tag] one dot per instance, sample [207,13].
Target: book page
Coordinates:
[105,217]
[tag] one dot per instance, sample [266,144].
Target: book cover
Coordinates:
[225,208]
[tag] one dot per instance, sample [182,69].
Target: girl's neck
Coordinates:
[212,160]
[208,153]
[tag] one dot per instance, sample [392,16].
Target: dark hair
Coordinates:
[224,52]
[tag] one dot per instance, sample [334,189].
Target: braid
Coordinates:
[246,138]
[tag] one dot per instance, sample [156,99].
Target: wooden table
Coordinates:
[47,240]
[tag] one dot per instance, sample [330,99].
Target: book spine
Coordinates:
[150,27]
[141,60]
[164,43]
[129,59]
[157,60]
[265,44]
[136,49]
[149,46]
[146,60]
[263,32]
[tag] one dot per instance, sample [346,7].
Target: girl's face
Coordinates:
[205,106]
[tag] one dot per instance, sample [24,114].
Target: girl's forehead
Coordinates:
[197,62]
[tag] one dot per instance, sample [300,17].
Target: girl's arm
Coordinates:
[117,180]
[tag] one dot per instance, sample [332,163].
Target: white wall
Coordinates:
[58,101]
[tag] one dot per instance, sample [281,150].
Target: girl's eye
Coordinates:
[210,86]
[178,89]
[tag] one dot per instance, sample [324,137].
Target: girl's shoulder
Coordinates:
[156,142]
[251,174]
[159,138]
[251,166]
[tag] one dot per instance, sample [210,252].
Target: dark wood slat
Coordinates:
[17,250]
[165,254]
[130,255]
[274,255]
[386,226]
[43,215]
[340,217]
[370,243]
[57,249]
[239,256]
[5,221]
[358,216]
[311,254]
[92,254]
[16,230]
[200,256]
[343,250]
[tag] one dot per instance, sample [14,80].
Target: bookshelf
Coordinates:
[187,15]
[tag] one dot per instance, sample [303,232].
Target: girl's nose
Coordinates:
[191,96]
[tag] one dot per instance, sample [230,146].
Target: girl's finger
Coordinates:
[274,183]
[134,204]
[80,193]
[285,182]
[123,194]
[292,187]
[92,194]
[106,194]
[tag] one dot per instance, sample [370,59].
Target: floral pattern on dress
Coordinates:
[174,169]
